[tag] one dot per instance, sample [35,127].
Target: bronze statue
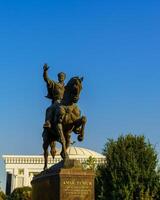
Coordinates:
[55,92]
[63,116]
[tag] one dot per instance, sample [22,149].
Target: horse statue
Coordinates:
[66,118]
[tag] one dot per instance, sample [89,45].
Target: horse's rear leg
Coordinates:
[68,141]
[53,149]
[45,149]
[62,141]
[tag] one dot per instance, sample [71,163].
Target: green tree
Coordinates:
[90,163]
[130,171]
[2,195]
[23,193]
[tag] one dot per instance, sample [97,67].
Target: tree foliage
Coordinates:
[2,195]
[23,193]
[130,171]
[90,163]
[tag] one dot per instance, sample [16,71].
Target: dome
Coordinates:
[79,152]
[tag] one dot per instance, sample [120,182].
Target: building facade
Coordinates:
[20,169]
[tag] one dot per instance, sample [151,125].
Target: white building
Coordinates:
[20,169]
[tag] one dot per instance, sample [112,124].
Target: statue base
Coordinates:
[66,180]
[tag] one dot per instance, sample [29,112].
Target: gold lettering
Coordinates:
[68,182]
[77,187]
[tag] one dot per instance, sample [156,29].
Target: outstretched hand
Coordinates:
[45,67]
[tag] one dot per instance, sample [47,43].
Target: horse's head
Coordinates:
[73,89]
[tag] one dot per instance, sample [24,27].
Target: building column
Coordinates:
[26,177]
[14,182]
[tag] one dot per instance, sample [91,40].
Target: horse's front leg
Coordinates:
[79,127]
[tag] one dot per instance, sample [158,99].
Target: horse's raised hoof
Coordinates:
[80,138]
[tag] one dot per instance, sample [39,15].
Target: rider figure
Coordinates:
[55,93]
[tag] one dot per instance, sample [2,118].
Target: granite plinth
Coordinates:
[64,181]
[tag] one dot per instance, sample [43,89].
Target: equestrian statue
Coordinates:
[63,116]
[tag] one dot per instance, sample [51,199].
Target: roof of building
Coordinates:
[83,152]
[73,152]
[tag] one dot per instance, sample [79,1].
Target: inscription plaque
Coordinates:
[64,183]
[77,188]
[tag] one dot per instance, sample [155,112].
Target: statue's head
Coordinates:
[61,77]
[73,88]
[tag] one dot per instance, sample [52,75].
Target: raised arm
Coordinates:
[45,74]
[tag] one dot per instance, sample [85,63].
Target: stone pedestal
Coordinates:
[64,181]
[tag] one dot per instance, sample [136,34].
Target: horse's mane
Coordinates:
[71,81]
[69,86]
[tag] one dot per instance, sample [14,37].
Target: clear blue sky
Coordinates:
[114,44]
